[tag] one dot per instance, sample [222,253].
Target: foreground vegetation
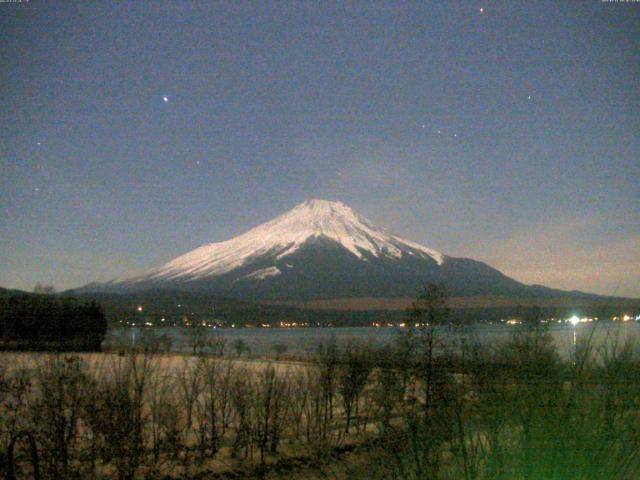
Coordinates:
[515,411]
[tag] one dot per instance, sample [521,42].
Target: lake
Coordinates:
[303,341]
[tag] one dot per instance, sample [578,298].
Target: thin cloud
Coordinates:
[567,254]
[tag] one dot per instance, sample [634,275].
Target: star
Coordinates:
[165,99]
[423,125]
[481,9]
[529,97]
[37,189]
[39,143]
[439,132]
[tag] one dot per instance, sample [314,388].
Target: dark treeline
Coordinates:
[180,307]
[512,411]
[44,322]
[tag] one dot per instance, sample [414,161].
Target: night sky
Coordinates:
[132,133]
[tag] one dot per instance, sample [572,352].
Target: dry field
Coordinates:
[172,363]
[177,415]
[394,304]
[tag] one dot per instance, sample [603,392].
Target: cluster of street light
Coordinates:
[573,320]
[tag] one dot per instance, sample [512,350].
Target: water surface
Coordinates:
[304,341]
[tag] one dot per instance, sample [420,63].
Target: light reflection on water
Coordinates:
[303,341]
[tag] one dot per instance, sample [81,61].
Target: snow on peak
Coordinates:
[263,273]
[287,233]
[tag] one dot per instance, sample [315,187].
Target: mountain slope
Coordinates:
[318,250]
[284,236]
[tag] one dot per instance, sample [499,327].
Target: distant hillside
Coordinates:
[179,308]
[472,302]
[176,307]
[6,292]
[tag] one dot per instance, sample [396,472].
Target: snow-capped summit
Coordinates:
[338,222]
[318,249]
[286,234]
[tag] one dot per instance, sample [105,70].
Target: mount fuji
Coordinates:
[320,250]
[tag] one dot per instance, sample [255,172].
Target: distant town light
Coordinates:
[574,320]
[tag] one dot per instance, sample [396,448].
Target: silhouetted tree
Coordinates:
[44,289]
[40,322]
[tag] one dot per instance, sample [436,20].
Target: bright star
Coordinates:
[481,10]
[165,99]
